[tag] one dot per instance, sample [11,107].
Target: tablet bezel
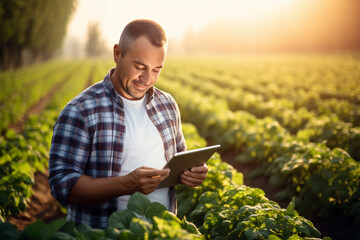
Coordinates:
[186,160]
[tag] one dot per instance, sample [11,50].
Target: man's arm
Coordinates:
[70,149]
[88,190]
[69,152]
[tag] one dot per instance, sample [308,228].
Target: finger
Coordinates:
[147,168]
[199,169]
[159,178]
[195,175]
[189,183]
[161,174]
[191,180]
[152,172]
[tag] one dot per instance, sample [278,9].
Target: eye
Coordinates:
[139,67]
[156,70]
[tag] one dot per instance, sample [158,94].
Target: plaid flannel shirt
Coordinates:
[88,139]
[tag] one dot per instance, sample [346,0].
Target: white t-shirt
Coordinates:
[143,146]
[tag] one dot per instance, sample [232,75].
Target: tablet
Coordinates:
[185,160]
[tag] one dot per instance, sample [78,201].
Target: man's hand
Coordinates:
[89,190]
[195,176]
[146,179]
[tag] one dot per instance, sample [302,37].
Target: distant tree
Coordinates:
[95,46]
[32,30]
[73,48]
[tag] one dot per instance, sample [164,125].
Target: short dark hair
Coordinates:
[142,27]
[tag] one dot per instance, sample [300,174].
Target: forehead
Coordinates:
[143,51]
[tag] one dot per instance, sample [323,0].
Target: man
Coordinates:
[113,139]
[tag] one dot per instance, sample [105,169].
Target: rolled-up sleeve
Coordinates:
[69,152]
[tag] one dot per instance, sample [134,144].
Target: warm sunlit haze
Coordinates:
[275,83]
[231,26]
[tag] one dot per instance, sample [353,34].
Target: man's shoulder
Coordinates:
[90,98]
[160,95]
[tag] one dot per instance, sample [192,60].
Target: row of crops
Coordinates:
[283,117]
[301,112]
[221,208]
[323,174]
[22,154]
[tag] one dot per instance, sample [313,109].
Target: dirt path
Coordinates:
[38,107]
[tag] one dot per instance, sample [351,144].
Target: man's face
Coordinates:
[139,69]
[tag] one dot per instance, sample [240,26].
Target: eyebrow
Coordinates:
[143,64]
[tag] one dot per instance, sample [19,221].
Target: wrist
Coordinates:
[126,186]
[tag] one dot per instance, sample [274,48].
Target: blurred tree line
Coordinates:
[95,45]
[32,30]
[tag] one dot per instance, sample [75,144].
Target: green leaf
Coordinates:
[10,134]
[274,237]
[112,233]
[120,220]
[220,238]
[264,233]
[62,236]
[39,230]
[170,217]
[313,231]
[290,210]
[138,203]
[82,228]
[270,223]
[7,231]
[154,209]
[140,228]
[294,237]
[252,234]
[209,197]
[303,229]
[69,228]
[126,234]
[57,224]
[92,233]
[189,226]
[238,178]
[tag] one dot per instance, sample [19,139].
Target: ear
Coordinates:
[117,53]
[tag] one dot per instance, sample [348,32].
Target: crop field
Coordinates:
[293,119]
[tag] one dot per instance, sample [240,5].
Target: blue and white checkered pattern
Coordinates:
[88,139]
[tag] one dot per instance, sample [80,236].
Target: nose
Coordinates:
[146,78]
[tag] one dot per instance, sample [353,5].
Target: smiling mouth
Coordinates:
[140,86]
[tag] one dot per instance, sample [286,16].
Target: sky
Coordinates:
[176,17]
[225,26]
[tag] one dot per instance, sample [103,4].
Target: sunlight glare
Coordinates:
[259,9]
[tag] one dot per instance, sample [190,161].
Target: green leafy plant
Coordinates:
[288,160]
[142,220]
